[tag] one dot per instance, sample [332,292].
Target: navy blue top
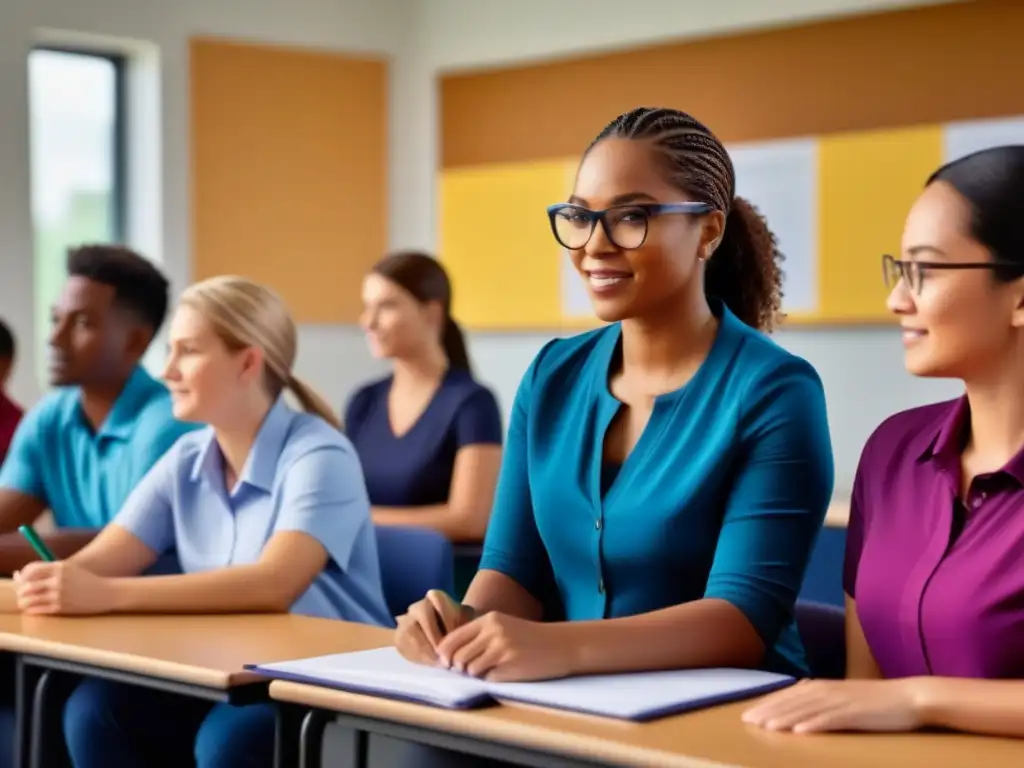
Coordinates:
[415,469]
[722,496]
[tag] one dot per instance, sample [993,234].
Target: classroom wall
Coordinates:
[862,369]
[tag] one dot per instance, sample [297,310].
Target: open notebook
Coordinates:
[639,696]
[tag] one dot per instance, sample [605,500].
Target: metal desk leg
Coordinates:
[311,742]
[311,739]
[47,742]
[25,676]
[37,743]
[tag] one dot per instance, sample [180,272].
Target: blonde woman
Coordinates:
[266,508]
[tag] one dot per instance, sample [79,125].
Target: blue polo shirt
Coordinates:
[301,475]
[415,469]
[722,496]
[82,475]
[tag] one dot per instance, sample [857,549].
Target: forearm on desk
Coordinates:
[16,553]
[237,589]
[984,707]
[702,633]
[456,525]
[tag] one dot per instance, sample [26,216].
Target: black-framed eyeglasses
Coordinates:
[625,225]
[913,272]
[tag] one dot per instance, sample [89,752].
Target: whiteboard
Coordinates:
[780,178]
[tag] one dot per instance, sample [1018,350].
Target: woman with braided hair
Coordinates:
[666,475]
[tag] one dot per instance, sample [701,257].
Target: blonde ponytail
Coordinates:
[311,401]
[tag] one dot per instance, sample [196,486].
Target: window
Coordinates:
[76,133]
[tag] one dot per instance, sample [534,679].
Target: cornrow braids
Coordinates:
[745,271]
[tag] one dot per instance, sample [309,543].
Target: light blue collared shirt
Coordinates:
[301,475]
[82,475]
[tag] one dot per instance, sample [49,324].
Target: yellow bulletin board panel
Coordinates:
[868,182]
[497,244]
[289,171]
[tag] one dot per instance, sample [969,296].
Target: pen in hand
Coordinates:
[37,543]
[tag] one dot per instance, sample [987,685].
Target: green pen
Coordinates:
[37,543]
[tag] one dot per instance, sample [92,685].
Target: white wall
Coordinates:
[862,369]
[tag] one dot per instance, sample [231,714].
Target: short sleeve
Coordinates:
[324,495]
[780,495]
[148,512]
[855,529]
[21,468]
[478,420]
[513,545]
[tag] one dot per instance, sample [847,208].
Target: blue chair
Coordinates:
[823,631]
[412,562]
[823,582]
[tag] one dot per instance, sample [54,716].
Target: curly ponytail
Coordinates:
[744,271]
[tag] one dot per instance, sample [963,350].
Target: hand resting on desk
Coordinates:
[495,646]
[421,628]
[62,587]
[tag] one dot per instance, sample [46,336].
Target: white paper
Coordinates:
[637,695]
[781,179]
[963,138]
[383,670]
[624,696]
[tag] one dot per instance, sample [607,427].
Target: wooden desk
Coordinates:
[712,738]
[198,656]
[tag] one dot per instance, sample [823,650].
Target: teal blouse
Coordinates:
[722,496]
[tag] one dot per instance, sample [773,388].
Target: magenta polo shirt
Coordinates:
[939,584]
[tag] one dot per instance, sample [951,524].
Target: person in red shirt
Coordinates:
[10,412]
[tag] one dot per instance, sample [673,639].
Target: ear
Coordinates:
[138,339]
[1017,318]
[434,313]
[251,361]
[712,230]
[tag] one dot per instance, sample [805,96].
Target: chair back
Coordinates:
[823,631]
[412,562]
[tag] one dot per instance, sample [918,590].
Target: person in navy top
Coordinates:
[428,435]
[665,476]
[266,508]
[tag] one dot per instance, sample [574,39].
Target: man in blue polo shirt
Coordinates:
[85,446]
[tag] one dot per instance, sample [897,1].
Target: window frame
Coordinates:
[119,152]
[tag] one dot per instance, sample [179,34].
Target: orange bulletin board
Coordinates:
[289,170]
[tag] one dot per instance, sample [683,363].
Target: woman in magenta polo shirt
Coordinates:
[935,550]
